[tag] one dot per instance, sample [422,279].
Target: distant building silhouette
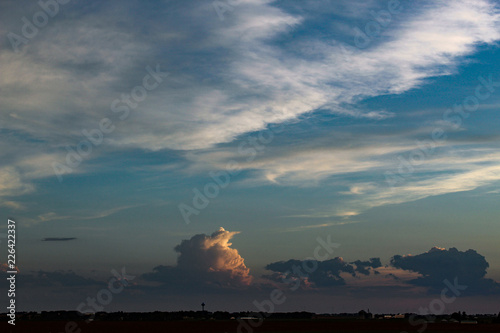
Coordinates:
[365,314]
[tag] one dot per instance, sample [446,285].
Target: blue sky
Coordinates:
[133,127]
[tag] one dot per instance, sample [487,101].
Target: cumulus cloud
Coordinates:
[439,264]
[363,267]
[419,274]
[314,273]
[205,260]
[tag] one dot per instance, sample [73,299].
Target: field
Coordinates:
[274,326]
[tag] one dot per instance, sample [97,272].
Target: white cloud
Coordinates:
[388,277]
[302,165]
[262,83]
[13,205]
[450,168]
[226,79]
[11,183]
[471,170]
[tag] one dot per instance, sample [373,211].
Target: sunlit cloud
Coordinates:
[205,260]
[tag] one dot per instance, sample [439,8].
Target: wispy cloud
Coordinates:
[316,226]
[53,216]
[257,82]
[249,78]
[13,205]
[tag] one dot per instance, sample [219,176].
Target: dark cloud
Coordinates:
[317,273]
[430,269]
[363,267]
[50,279]
[204,261]
[438,265]
[58,239]
[391,275]
[64,278]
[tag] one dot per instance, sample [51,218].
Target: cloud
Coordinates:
[50,279]
[205,261]
[450,168]
[58,239]
[319,274]
[13,205]
[246,80]
[327,273]
[439,264]
[360,163]
[300,164]
[11,183]
[453,169]
[226,78]
[419,274]
[23,162]
[61,278]
[315,226]
[387,277]
[92,215]
[363,266]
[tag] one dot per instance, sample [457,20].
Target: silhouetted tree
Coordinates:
[456,316]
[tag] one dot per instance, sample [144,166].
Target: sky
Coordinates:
[342,153]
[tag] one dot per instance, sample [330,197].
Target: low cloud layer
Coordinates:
[208,263]
[205,261]
[427,271]
[363,267]
[46,279]
[314,273]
